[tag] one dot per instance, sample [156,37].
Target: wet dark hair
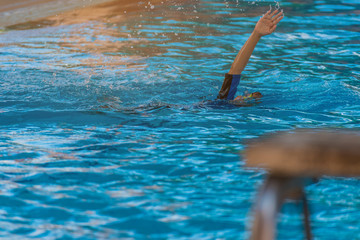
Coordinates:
[256,95]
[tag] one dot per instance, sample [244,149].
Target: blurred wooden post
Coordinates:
[274,192]
[295,159]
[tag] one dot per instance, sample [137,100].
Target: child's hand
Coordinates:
[267,24]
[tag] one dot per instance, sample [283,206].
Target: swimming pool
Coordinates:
[103,136]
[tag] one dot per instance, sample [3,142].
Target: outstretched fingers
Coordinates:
[273,13]
[278,20]
[277,15]
[266,15]
[272,29]
[268,22]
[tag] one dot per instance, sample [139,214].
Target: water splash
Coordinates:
[277,5]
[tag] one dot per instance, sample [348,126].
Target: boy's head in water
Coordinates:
[254,95]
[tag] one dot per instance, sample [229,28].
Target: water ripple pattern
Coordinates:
[107,132]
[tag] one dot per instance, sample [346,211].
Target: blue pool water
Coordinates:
[104,134]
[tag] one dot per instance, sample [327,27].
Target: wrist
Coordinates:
[256,34]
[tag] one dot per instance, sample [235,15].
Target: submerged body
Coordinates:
[226,96]
[265,26]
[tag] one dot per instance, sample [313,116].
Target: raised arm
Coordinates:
[265,26]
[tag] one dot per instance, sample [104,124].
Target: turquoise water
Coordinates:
[104,134]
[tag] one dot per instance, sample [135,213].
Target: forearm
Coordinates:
[244,54]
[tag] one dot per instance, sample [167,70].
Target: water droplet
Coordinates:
[277,6]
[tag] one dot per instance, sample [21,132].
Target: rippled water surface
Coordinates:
[105,130]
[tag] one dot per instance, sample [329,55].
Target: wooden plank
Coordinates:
[308,153]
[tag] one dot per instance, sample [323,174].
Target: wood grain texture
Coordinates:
[308,152]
